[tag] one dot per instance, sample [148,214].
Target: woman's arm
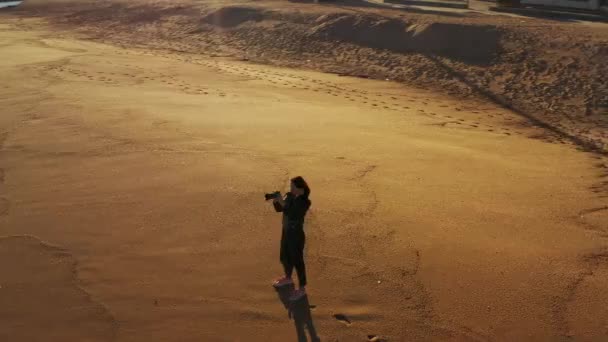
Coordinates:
[279,203]
[280,200]
[297,208]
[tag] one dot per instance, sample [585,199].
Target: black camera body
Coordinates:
[272,195]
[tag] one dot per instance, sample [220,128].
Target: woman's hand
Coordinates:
[279,199]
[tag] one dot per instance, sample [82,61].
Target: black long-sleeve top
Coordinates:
[294,211]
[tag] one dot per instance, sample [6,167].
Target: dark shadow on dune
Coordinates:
[500,101]
[470,44]
[228,17]
[299,311]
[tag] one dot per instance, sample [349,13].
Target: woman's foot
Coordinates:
[297,294]
[283,281]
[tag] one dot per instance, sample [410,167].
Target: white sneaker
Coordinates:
[283,281]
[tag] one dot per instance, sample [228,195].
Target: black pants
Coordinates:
[292,253]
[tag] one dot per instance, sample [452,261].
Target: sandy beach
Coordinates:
[132,209]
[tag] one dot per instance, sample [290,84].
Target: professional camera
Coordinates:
[272,195]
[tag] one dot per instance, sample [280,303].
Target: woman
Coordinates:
[294,206]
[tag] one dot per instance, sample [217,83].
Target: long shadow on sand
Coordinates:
[299,311]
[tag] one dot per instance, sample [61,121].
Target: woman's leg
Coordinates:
[288,268]
[285,256]
[286,262]
[301,269]
[298,259]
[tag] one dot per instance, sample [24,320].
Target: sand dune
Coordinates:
[550,72]
[435,218]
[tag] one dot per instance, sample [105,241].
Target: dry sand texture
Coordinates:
[131,203]
[552,72]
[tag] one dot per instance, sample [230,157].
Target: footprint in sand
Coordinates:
[343,319]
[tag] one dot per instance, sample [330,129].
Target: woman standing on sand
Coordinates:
[294,206]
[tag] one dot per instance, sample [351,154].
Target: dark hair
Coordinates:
[300,183]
